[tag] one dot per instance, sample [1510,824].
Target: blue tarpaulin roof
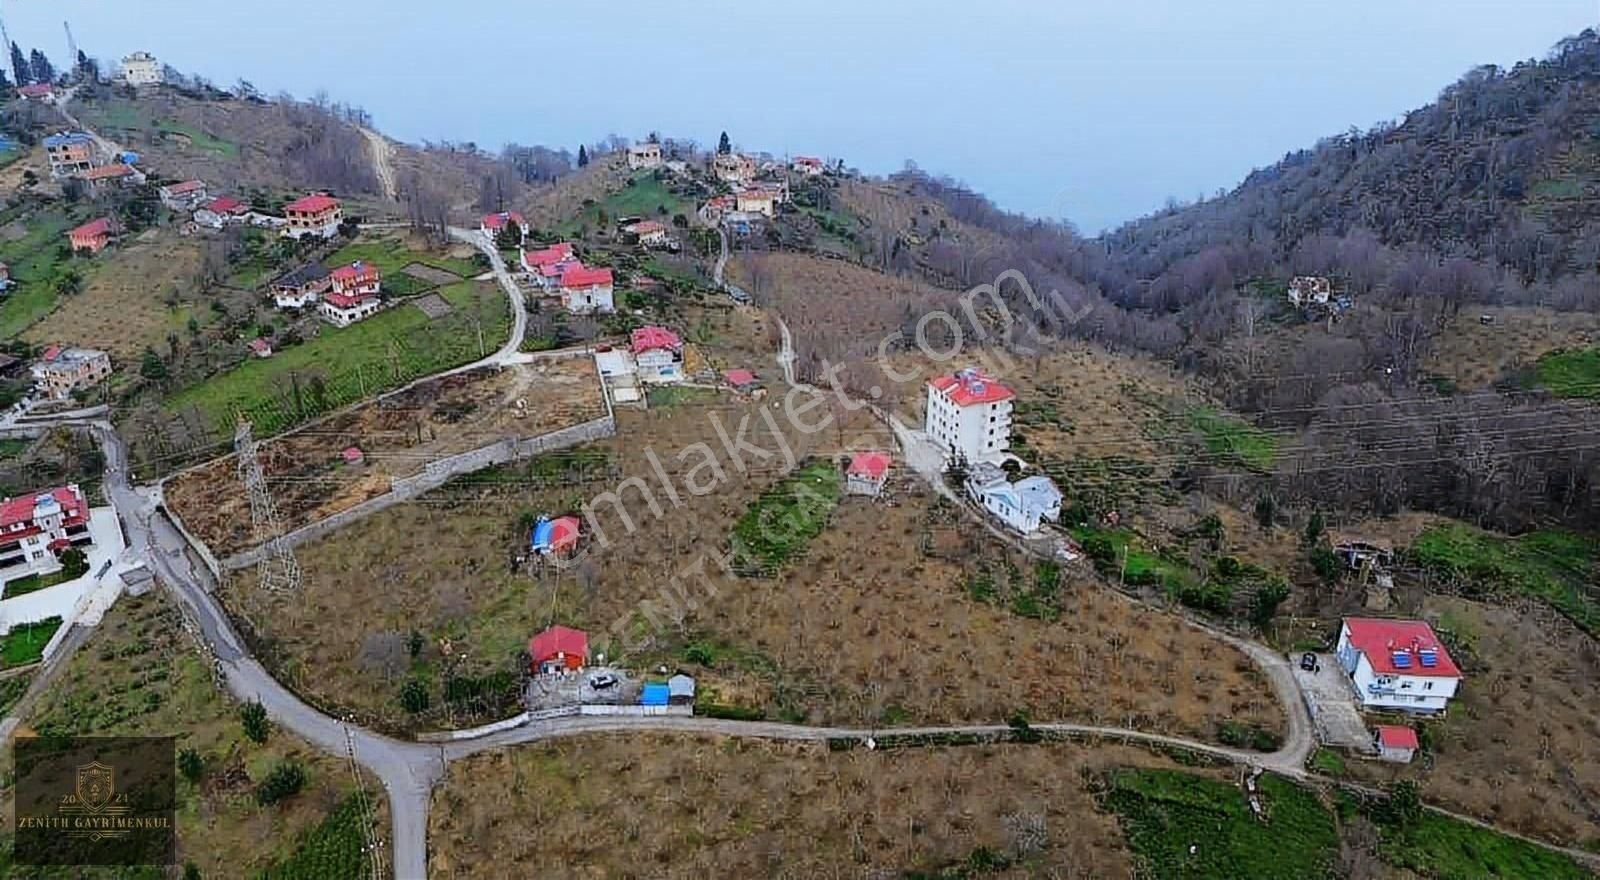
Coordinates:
[654,695]
[540,539]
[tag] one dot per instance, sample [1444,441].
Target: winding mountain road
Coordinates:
[382,162]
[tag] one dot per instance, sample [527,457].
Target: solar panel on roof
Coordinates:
[1402,660]
[1428,656]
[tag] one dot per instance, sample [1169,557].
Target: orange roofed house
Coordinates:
[558,649]
[92,236]
[316,214]
[353,295]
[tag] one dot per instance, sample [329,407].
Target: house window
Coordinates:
[1405,685]
[1427,686]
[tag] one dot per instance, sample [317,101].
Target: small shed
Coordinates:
[1395,743]
[741,380]
[353,456]
[555,536]
[655,694]
[680,689]
[260,347]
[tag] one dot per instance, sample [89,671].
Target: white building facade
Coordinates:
[140,69]
[35,527]
[968,415]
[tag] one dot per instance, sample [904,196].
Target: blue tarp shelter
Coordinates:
[655,695]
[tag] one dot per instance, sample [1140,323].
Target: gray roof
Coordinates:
[302,276]
[681,685]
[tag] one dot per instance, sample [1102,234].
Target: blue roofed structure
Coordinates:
[655,695]
[67,138]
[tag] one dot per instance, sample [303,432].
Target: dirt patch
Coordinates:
[1518,745]
[709,807]
[397,435]
[1474,355]
[430,274]
[433,305]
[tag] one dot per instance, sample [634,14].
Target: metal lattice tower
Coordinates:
[280,571]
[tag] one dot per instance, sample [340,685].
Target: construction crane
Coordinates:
[16,79]
[72,47]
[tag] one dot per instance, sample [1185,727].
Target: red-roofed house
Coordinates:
[260,347]
[810,166]
[115,174]
[586,291]
[315,214]
[353,456]
[969,416]
[185,196]
[659,354]
[30,525]
[1395,743]
[867,473]
[741,380]
[491,224]
[92,236]
[60,371]
[546,264]
[558,649]
[353,295]
[1397,664]
[650,233]
[712,211]
[221,211]
[38,92]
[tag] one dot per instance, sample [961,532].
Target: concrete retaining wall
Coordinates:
[61,600]
[435,474]
[515,721]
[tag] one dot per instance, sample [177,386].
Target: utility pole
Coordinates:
[372,845]
[280,571]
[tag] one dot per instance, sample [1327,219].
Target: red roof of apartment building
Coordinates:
[869,464]
[559,640]
[650,338]
[1394,737]
[19,511]
[584,276]
[1386,642]
[315,203]
[967,387]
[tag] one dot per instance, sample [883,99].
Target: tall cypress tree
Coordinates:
[583,156]
[19,65]
[43,72]
[724,146]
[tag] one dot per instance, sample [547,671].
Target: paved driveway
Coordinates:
[1332,702]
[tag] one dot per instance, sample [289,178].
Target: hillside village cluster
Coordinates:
[62,558]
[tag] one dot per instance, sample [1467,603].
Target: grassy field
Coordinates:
[1443,848]
[785,518]
[139,675]
[343,365]
[669,395]
[391,255]
[1233,438]
[1571,373]
[641,195]
[1182,825]
[200,140]
[1554,566]
[34,261]
[25,643]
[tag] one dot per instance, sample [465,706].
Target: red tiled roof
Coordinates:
[106,172]
[19,510]
[550,255]
[967,387]
[92,228]
[869,464]
[807,160]
[496,221]
[315,203]
[649,338]
[583,276]
[1393,737]
[645,227]
[1380,640]
[49,354]
[347,300]
[36,90]
[356,271]
[739,377]
[558,640]
[224,205]
[188,186]
[259,344]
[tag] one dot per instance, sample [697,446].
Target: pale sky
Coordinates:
[1090,110]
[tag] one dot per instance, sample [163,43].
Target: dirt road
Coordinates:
[382,162]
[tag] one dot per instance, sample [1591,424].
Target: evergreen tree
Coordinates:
[253,716]
[5,84]
[724,146]
[42,71]
[583,156]
[19,65]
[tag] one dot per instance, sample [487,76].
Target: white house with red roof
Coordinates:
[316,214]
[36,527]
[1397,664]
[492,224]
[557,650]
[586,291]
[867,473]
[185,196]
[353,295]
[219,212]
[808,166]
[651,233]
[545,265]
[1395,743]
[969,416]
[658,353]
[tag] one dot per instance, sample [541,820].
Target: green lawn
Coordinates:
[668,395]
[785,518]
[200,139]
[1447,849]
[25,644]
[35,582]
[1571,373]
[34,266]
[1180,826]
[1554,566]
[11,447]
[342,366]
[391,255]
[642,196]
[333,850]
[1231,437]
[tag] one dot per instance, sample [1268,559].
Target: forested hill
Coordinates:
[1504,169]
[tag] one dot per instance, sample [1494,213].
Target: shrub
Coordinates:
[282,783]
[253,716]
[414,696]
[191,765]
